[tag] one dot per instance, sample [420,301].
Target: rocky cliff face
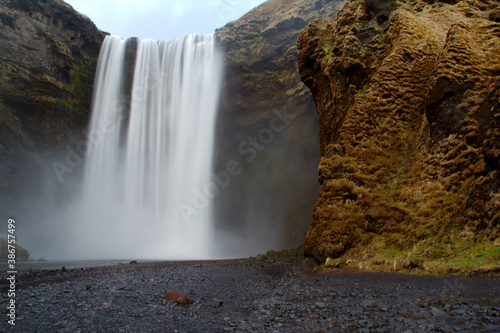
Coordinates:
[408,96]
[268,124]
[48,54]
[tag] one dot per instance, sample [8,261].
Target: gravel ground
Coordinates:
[248,295]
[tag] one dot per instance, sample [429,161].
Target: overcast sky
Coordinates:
[162,19]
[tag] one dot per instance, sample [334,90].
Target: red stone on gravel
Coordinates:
[179,298]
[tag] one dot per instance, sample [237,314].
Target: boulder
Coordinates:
[179,298]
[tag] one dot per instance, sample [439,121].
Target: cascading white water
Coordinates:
[146,181]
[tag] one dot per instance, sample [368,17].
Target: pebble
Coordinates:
[216,303]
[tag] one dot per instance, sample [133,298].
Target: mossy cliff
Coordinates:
[263,98]
[48,55]
[408,97]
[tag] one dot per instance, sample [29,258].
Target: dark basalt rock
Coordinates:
[48,55]
[272,200]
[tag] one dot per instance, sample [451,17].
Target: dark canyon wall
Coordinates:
[268,124]
[48,55]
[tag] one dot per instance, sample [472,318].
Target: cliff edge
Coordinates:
[408,96]
[48,55]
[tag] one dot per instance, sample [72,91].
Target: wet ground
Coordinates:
[248,295]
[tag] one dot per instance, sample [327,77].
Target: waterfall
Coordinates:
[147,179]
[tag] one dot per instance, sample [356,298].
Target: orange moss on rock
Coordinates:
[408,97]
